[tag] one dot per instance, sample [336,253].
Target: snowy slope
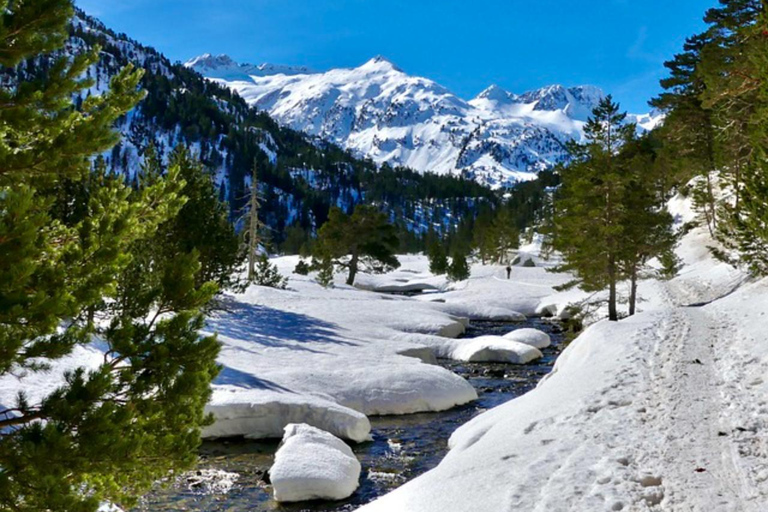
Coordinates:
[379,111]
[663,411]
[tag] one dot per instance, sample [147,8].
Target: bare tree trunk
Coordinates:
[253,225]
[633,291]
[613,314]
[712,206]
[352,269]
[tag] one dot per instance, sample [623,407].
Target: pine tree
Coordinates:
[505,235]
[325,273]
[739,92]
[203,224]
[266,274]
[646,225]
[254,225]
[364,240]
[302,268]
[688,129]
[438,260]
[587,223]
[484,238]
[108,431]
[458,270]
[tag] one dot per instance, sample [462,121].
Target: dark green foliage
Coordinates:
[610,217]
[302,268]
[296,237]
[646,225]
[203,224]
[718,112]
[80,262]
[438,259]
[364,240]
[325,273]
[496,235]
[588,211]
[266,274]
[458,270]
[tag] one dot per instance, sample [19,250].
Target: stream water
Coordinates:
[403,447]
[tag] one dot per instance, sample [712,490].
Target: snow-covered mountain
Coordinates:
[378,111]
[300,177]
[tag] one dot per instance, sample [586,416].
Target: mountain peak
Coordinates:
[380,63]
[495,93]
[209,61]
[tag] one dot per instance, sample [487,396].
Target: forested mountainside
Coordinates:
[300,177]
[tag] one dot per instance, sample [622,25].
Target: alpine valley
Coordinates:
[300,177]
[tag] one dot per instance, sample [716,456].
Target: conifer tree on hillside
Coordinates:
[438,259]
[646,225]
[588,213]
[483,236]
[688,130]
[737,91]
[458,270]
[110,430]
[505,234]
[364,240]
[202,224]
[254,224]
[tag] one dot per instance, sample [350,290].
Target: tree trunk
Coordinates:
[253,225]
[352,269]
[633,291]
[613,314]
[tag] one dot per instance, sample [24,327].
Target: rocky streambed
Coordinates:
[233,475]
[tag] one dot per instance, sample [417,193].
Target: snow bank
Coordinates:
[494,349]
[328,358]
[528,336]
[665,410]
[489,295]
[257,414]
[313,464]
[483,312]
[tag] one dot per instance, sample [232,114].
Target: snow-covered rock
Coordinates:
[528,336]
[496,349]
[484,312]
[313,464]
[378,111]
[109,507]
[257,414]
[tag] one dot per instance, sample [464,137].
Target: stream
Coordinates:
[403,447]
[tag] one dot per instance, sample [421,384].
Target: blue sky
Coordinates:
[465,45]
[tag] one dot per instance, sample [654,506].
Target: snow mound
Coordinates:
[494,349]
[482,312]
[256,414]
[313,464]
[528,336]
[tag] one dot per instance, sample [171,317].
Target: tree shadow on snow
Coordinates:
[269,327]
[235,377]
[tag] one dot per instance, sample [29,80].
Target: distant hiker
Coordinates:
[509,271]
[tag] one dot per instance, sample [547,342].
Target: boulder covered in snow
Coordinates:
[480,311]
[260,414]
[313,464]
[532,337]
[486,349]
